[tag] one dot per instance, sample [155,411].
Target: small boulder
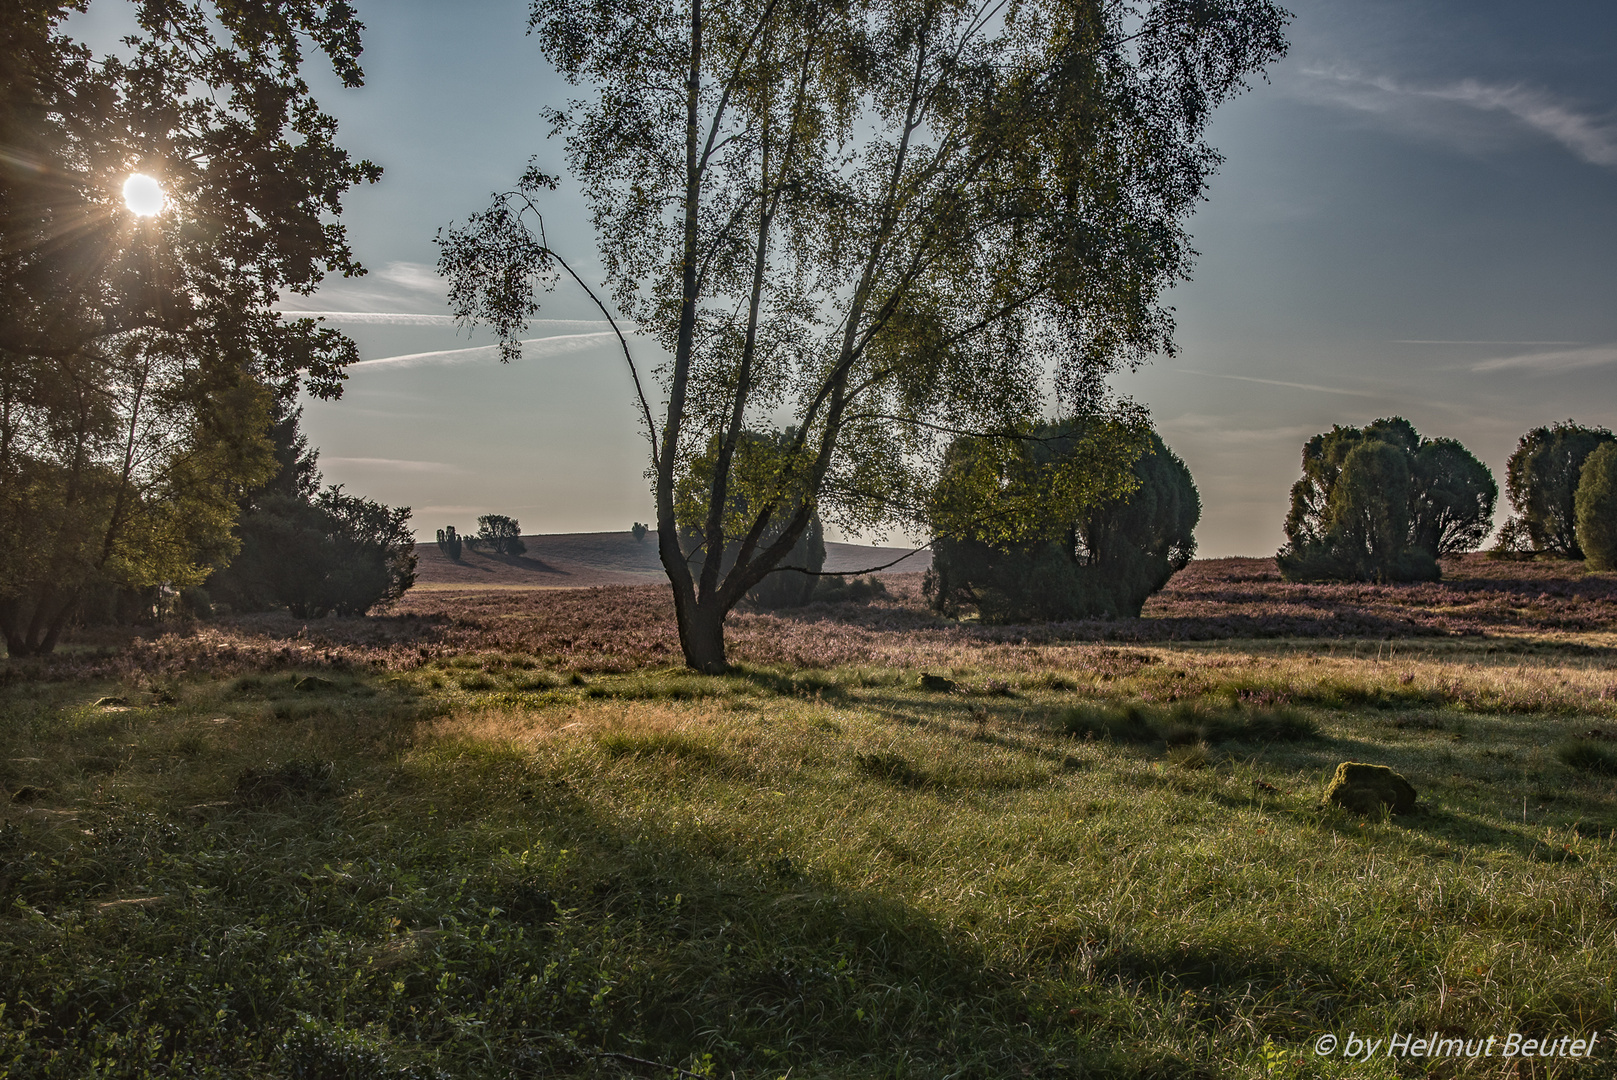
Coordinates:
[938,683]
[1365,789]
[313,684]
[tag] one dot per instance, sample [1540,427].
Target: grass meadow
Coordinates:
[505,835]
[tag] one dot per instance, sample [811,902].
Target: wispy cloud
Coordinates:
[388,318]
[1594,140]
[396,285]
[1587,134]
[531,348]
[1557,360]
[1432,341]
[1280,382]
[408,318]
[393,464]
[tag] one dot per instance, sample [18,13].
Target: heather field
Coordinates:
[504,834]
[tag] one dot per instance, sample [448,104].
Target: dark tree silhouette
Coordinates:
[314,551]
[449,542]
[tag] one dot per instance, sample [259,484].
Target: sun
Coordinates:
[143,195]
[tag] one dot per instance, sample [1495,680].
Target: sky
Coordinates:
[1417,216]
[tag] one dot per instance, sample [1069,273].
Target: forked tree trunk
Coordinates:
[35,631]
[701,636]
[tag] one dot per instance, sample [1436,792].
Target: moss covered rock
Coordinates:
[1365,789]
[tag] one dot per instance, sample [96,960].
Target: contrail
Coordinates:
[545,346]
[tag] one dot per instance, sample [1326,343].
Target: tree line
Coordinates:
[1383,504]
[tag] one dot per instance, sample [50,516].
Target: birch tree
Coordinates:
[880,224]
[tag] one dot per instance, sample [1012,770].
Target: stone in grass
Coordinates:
[110,702]
[938,683]
[313,684]
[1365,789]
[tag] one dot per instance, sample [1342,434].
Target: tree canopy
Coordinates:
[1380,503]
[1097,554]
[891,223]
[1541,479]
[137,351]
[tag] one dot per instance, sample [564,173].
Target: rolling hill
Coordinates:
[581,560]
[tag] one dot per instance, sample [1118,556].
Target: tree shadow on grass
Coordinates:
[768,966]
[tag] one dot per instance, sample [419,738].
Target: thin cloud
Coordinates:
[1430,341]
[1595,141]
[396,464]
[413,276]
[409,318]
[1279,382]
[1558,360]
[388,318]
[531,348]
[1587,135]
[397,285]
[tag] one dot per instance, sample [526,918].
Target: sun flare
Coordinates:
[143,195]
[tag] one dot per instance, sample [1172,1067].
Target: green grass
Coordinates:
[484,869]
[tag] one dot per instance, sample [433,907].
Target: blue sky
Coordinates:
[1418,216]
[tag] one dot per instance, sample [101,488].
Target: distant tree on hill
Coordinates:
[501,533]
[1542,481]
[314,551]
[1596,504]
[449,542]
[1382,504]
[1106,559]
[640,531]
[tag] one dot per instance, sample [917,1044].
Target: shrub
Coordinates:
[1596,508]
[1542,481]
[639,530]
[853,590]
[1106,563]
[1383,504]
[1513,541]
